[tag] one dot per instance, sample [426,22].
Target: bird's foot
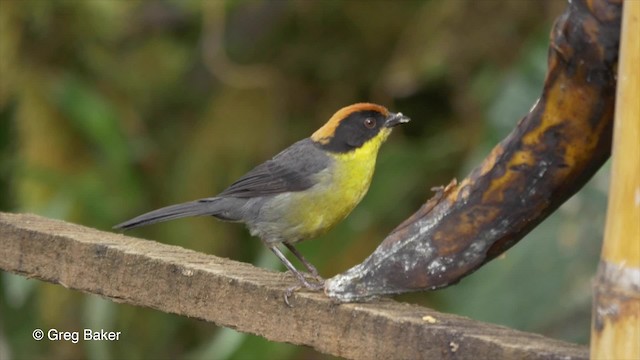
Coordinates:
[289,292]
[305,284]
[309,266]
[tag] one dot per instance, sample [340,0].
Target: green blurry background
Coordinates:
[110,108]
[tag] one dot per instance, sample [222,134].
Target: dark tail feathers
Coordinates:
[193,208]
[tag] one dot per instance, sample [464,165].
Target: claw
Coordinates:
[288,293]
[313,287]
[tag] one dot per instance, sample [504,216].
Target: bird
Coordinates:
[303,191]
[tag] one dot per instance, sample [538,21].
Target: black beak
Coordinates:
[395,119]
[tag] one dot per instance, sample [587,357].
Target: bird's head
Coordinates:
[355,126]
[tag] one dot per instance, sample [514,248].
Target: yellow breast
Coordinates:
[337,192]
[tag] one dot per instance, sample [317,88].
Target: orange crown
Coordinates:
[326,132]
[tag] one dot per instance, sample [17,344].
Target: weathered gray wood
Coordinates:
[249,299]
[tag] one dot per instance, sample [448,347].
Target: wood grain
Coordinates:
[240,296]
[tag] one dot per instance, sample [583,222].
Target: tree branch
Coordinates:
[551,153]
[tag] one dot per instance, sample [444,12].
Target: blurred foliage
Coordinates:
[112,108]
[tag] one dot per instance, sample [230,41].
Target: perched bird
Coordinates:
[304,190]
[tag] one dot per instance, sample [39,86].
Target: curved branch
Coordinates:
[547,158]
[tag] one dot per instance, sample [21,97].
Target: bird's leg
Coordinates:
[312,269]
[301,278]
[292,268]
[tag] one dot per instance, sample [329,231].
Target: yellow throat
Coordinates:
[339,190]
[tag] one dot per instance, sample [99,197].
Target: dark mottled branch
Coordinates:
[546,159]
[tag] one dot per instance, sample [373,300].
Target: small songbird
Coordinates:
[303,191]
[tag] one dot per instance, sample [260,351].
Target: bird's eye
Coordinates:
[370,123]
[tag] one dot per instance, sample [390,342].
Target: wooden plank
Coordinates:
[240,296]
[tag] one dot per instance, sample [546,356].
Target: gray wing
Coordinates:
[290,170]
